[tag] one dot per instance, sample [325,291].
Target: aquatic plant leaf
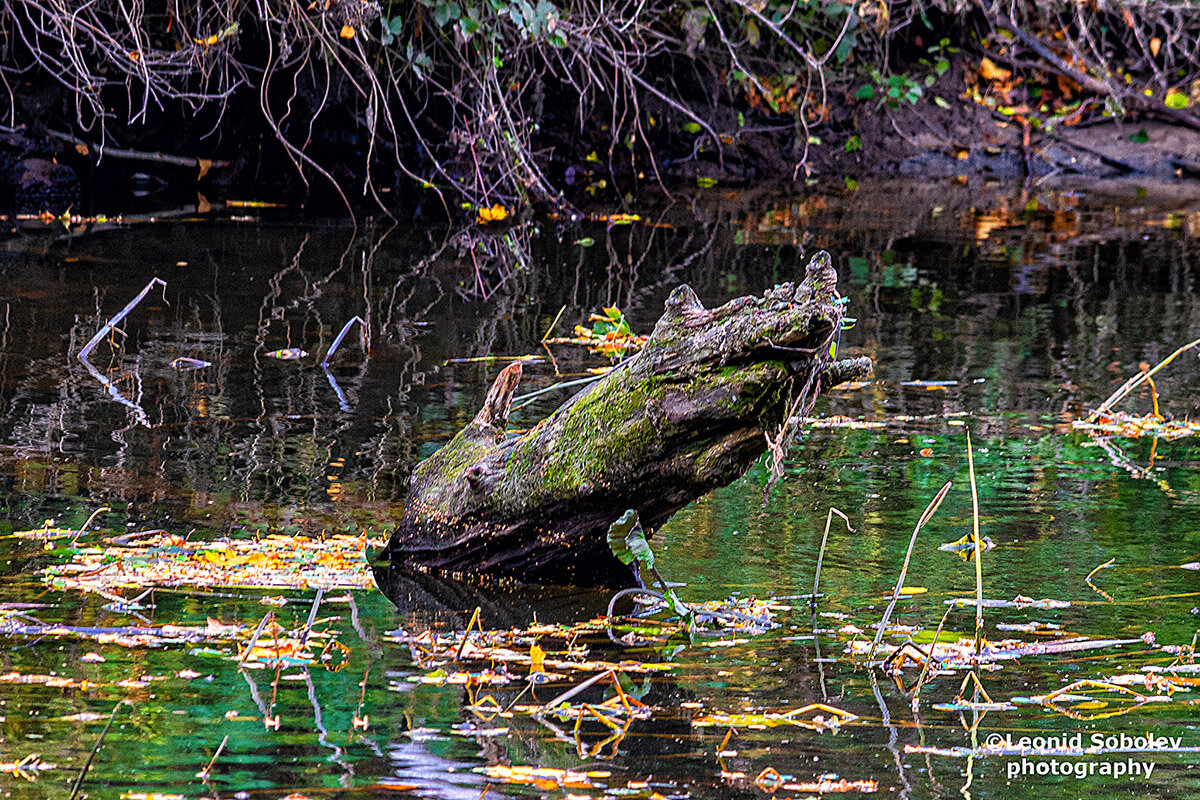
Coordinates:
[965,547]
[617,533]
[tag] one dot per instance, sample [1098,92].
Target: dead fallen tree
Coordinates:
[686,415]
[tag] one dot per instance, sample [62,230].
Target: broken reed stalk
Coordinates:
[569,693]
[204,773]
[1105,565]
[254,639]
[463,645]
[929,512]
[557,317]
[978,550]
[929,658]
[85,525]
[337,340]
[120,315]
[525,399]
[812,601]
[312,617]
[96,749]
[1137,381]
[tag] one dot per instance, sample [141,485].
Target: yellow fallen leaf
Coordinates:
[537,659]
[496,213]
[347,32]
[990,72]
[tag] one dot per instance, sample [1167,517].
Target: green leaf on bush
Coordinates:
[865,92]
[752,34]
[1177,100]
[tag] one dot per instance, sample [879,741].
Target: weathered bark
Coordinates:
[682,417]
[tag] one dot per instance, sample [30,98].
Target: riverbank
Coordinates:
[444,109]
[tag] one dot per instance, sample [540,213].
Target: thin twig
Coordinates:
[84,526]
[120,315]
[1137,381]
[312,616]
[567,695]
[204,773]
[978,550]
[254,639]
[929,512]
[337,341]
[821,555]
[463,645]
[96,749]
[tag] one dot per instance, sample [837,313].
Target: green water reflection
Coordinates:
[1028,317]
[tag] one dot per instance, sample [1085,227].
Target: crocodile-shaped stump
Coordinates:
[682,417]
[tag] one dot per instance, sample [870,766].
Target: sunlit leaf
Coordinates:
[537,658]
[496,213]
[990,72]
[287,354]
[1177,100]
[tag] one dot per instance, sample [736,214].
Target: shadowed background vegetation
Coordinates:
[441,102]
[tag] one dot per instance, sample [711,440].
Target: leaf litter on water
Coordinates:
[274,561]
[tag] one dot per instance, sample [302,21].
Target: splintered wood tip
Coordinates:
[499,398]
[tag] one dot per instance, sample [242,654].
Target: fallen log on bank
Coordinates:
[687,414]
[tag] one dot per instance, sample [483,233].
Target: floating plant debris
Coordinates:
[275,561]
[287,354]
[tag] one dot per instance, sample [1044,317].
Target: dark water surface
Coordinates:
[1026,307]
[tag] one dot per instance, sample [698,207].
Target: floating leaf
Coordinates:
[537,659]
[287,353]
[965,547]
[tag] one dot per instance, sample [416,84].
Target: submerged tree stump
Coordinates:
[687,414]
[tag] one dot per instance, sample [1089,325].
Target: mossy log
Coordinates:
[682,417]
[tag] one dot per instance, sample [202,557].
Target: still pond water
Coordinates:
[1003,310]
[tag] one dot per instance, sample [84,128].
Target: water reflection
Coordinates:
[1007,309]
